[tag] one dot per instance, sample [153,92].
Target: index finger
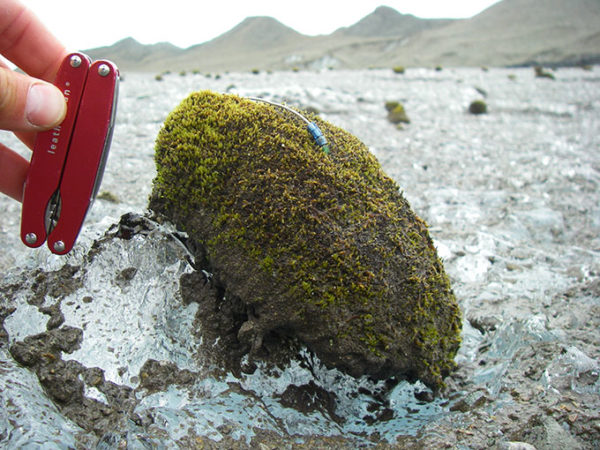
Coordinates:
[26,42]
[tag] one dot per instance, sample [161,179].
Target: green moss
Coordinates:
[399,70]
[328,234]
[541,73]
[478,107]
[108,196]
[396,112]
[391,105]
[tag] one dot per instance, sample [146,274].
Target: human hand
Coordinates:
[28,103]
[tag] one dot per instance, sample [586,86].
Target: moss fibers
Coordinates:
[322,247]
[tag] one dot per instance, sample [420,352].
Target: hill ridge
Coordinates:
[508,33]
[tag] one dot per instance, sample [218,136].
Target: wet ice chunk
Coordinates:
[28,419]
[471,268]
[132,310]
[25,321]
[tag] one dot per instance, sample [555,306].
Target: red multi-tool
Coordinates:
[68,161]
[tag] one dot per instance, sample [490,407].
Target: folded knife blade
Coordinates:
[68,161]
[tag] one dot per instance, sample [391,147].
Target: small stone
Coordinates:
[515,446]
[470,402]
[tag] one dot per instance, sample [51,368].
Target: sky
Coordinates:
[84,24]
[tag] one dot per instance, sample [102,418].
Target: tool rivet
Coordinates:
[75,61]
[31,238]
[103,70]
[59,246]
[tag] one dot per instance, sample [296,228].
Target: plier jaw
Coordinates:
[68,161]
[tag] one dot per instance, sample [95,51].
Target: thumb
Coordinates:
[28,104]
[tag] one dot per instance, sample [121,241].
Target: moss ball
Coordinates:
[541,73]
[109,197]
[396,113]
[391,105]
[478,107]
[399,70]
[319,247]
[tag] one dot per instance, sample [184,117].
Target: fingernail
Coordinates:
[45,106]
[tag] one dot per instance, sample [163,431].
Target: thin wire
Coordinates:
[313,128]
[257,99]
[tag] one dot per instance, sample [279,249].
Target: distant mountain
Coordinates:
[510,32]
[130,54]
[257,34]
[254,43]
[359,45]
[387,22]
[514,32]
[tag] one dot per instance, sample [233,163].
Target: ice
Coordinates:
[574,370]
[28,419]
[25,321]
[146,320]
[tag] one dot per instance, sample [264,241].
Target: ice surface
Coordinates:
[28,419]
[143,320]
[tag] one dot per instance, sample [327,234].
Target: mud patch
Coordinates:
[68,382]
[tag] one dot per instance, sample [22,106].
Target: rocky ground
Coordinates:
[100,349]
